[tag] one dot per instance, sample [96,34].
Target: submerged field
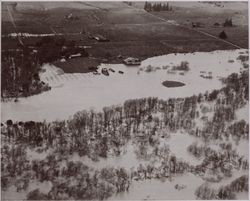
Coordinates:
[174,127]
[144,148]
[85,91]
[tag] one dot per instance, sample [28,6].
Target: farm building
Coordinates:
[132,61]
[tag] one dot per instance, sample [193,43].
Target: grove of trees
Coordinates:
[157,7]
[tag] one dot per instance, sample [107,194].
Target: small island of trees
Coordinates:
[171,84]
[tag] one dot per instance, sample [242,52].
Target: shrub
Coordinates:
[149,68]
[223,35]
[205,193]
[36,195]
[184,66]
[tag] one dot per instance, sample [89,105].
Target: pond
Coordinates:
[74,92]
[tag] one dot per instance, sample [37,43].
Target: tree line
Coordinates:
[157,7]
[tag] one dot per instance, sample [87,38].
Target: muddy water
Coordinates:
[146,189]
[127,159]
[177,144]
[243,113]
[162,190]
[73,92]
[12,194]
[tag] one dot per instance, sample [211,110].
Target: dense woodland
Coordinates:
[142,122]
[19,69]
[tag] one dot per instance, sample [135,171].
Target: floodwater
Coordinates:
[177,143]
[127,159]
[74,92]
[243,113]
[155,189]
[12,194]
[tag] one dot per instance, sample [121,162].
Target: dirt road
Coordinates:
[196,30]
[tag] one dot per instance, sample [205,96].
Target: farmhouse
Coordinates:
[130,61]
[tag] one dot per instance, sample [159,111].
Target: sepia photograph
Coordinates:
[124,100]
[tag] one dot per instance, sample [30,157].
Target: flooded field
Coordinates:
[74,92]
[160,190]
[124,101]
[148,189]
